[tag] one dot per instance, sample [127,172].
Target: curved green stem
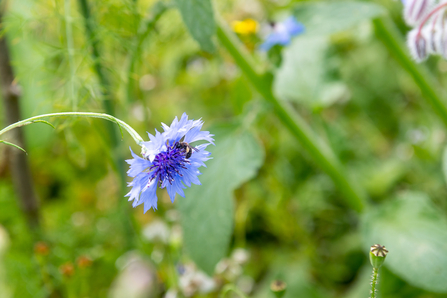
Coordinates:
[138,139]
[231,287]
[319,151]
[387,32]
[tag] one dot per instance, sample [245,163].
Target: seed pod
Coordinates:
[377,255]
[278,287]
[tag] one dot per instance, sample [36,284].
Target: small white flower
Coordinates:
[416,10]
[156,231]
[417,43]
[430,33]
[192,281]
[240,256]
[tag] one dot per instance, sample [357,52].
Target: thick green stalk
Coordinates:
[387,32]
[320,152]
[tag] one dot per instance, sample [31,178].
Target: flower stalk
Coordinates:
[387,32]
[320,152]
[377,256]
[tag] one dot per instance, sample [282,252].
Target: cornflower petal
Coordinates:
[137,165]
[195,134]
[175,187]
[190,176]
[149,196]
[137,185]
[169,161]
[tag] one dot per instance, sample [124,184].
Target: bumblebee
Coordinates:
[185,147]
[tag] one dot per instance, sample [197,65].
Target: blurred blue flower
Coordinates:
[168,161]
[282,33]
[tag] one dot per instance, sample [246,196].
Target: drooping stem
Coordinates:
[18,162]
[319,151]
[387,32]
[374,280]
[138,139]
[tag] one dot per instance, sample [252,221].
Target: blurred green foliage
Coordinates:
[269,197]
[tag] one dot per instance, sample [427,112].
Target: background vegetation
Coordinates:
[267,208]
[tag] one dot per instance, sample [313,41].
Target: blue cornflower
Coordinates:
[282,33]
[168,161]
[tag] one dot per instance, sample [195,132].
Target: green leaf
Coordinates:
[199,19]
[207,210]
[303,75]
[324,18]
[43,121]
[13,145]
[119,125]
[415,233]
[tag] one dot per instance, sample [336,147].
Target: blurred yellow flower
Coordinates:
[245,27]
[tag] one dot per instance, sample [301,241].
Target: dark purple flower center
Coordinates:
[167,164]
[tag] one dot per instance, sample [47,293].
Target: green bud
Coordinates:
[377,255]
[278,287]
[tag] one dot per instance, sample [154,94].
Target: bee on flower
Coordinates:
[168,161]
